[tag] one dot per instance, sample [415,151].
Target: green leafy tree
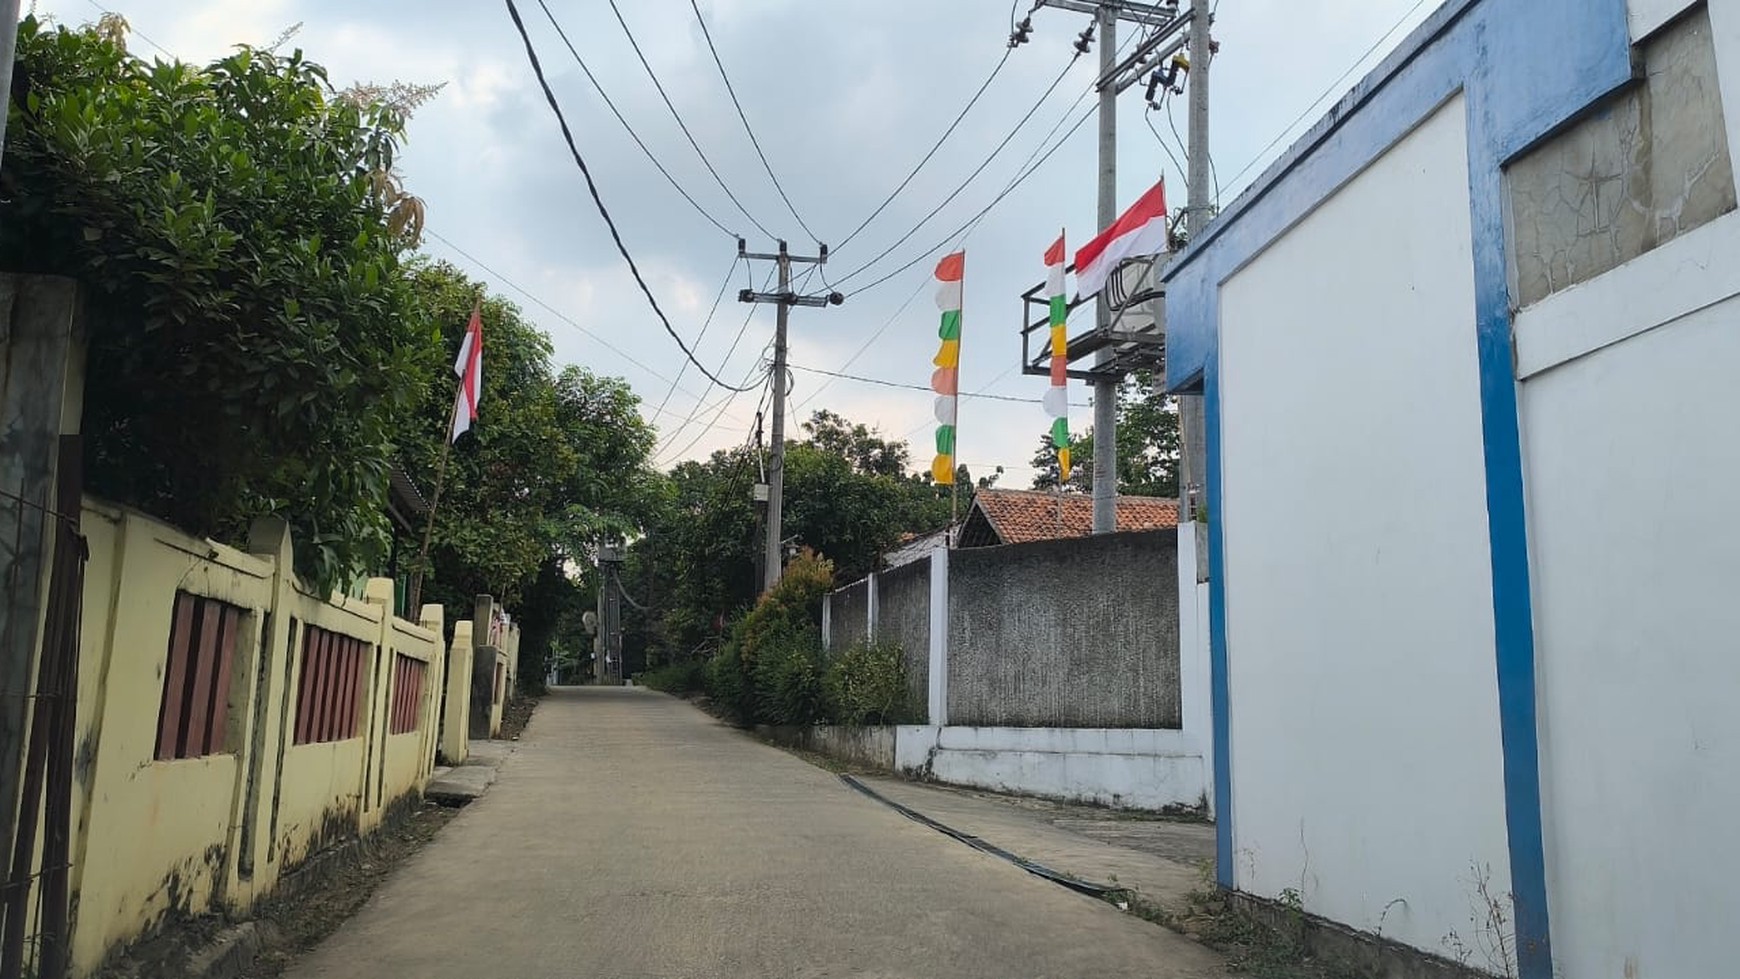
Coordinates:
[1148,450]
[556,462]
[848,495]
[251,347]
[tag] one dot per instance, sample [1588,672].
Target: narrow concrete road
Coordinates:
[631,835]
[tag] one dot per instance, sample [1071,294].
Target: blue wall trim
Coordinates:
[1526,67]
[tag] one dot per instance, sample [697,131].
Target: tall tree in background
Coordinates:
[556,461]
[1148,451]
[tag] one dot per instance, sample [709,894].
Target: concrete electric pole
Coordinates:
[785,299]
[1193,441]
[1161,21]
[1106,391]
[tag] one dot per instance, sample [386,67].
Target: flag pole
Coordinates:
[416,590]
[955,483]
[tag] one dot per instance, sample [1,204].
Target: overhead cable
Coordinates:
[651,157]
[741,115]
[995,152]
[598,201]
[629,33]
[933,149]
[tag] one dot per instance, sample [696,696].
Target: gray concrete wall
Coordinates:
[1648,165]
[903,617]
[1070,633]
[859,747]
[848,614]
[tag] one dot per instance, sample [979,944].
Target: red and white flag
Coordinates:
[1139,231]
[469,368]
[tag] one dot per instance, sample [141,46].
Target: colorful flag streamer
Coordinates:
[1057,397]
[946,381]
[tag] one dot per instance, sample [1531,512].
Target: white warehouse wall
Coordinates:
[1364,731]
[1631,466]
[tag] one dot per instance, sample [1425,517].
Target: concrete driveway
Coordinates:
[631,835]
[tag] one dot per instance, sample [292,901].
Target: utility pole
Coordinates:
[1106,391]
[785,299]
[610,605]
[1162,21]
[1193,441]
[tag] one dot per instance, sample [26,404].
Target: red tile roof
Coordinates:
[1020,516]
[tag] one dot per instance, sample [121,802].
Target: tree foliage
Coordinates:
[250,350]
[848,495]
[1148,450]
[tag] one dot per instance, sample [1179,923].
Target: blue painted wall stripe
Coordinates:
[1527,66]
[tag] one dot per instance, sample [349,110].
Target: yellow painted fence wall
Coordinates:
[157,839]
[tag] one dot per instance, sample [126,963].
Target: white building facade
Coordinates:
[1485,318]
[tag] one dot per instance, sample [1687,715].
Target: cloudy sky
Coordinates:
[845,96]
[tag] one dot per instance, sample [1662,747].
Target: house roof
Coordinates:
[1019,516]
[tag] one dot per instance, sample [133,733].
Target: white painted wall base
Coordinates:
[1137,769]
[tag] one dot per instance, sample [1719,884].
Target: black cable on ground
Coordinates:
[1087,887]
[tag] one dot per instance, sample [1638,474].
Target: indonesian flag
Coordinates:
[469,368]
[1139,231]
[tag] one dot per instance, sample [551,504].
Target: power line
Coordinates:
[935,146]
[1333,86]
[967,227]
[741,115]
[721,406]
[679,118]
[651,157]
[970,177]
[696,409]
[883,382]
[1027,168]
[874,336]
[592,188]
[702,335]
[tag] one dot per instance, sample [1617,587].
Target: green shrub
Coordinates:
[787,675]
[866,684]
[686,676]
[727,686]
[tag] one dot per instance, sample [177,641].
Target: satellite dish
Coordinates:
[589,619]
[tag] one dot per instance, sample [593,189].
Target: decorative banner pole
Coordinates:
[946,381]
[1056,399]
[469,369]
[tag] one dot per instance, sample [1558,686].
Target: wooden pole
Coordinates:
[416,590]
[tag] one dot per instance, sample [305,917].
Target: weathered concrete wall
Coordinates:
[156,839]
[1648,166]
[1129,769]
[903,617]
[849,614]
[1078,633]
[862,747]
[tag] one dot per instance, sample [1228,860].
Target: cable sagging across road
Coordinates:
[741,115]
[611,105]
[598,201]
[633,43]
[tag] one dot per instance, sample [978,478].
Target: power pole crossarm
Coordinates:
[784,299]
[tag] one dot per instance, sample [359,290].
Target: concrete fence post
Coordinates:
[431,617]
[483,657]
[456,716]
[939,638]
[827,622]
[870,609]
